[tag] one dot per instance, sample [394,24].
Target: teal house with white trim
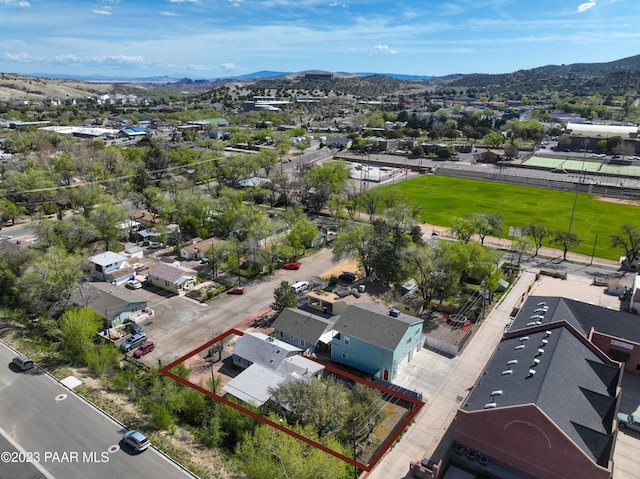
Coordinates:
[375,339]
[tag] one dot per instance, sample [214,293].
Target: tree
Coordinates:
[493,139]
[463,229]
[567,240]
[487,224]
[629,240]
[9,211]
[79,327]
[271,454]
[538,233]
[321,182]
[522,245]
[107,219]
[354,243]
[284,297]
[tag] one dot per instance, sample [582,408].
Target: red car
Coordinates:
[291,265]
[145,348]
[236,290]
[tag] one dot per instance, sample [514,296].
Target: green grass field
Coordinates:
[445,198]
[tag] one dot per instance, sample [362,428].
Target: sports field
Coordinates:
[445,198]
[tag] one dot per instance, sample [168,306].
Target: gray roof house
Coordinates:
[116,305]
[172,277]
[544,406]
[303,329]
[375,339]
[267,362]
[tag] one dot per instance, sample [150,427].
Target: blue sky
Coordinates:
[219,38]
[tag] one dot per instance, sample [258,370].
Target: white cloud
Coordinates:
[583,7]
[184,1]
[16,3]
[228,66]
[106,10]
[17,57]
[384,49]
[169,14]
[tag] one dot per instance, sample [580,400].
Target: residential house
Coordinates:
[155,234]
[174,278]
[115,305]
[267,362]
[326,302]
[490,156]
[543,407]
[197,248]
[144,217]
[111,267]
[375,339]
[300,328]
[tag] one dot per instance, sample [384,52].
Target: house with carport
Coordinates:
[376,339]
[174,277]
[305,330]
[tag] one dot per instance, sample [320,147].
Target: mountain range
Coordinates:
[619,76]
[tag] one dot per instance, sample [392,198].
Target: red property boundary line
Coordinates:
[416,404]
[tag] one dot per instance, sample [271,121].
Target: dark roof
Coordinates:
[582,316]
[574,384]
[301,324]
[373,324]
[105,298]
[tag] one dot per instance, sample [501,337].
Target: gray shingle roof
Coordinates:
[573,385]
[582,316]
[261,349]
[373,324]
[168,272]
[105,298]
[303,325]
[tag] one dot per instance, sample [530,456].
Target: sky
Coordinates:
[207,39]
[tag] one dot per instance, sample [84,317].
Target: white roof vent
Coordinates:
[532,372]
[547,333]
[524,338]
[531,323]
[496,393]
[536,361]
[519,346]
[511,362]
[490,405]
[545,341]
[506,372]
[541,303]
[540,351]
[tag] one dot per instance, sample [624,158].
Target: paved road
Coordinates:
[40,417]
[181,324]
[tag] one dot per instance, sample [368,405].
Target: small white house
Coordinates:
[111,267]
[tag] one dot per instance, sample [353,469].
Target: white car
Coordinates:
[300,286]
[133,284]
[5,237]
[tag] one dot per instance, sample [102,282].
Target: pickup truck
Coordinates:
[628,421]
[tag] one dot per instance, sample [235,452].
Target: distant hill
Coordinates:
[616,77]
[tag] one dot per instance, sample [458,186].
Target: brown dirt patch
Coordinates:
[348,265]
[620,201]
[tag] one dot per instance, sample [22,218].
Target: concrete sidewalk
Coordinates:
[430,435]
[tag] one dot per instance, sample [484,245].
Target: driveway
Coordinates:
[180,324]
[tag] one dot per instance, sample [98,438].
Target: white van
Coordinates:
[300,286]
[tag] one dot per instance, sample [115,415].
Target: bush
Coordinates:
[161,417]
[103,359]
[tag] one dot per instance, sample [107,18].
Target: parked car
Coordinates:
[291,265]
[133,328]
[347,277]
[236,290]
[141,267]
[133,284]
[300,286]
[628,421]
[23,362]
[145,348]
[133,341]
[5,237]
[155,245]
[135,439]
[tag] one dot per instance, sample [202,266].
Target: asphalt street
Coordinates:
[47,431]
